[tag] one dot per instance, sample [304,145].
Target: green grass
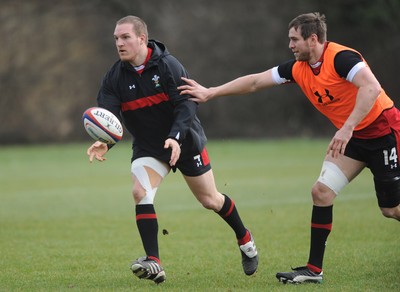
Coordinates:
[68,225]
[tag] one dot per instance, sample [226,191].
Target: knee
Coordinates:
[322,195]
[207,202]
[391,212]
[138,194]
[211,202]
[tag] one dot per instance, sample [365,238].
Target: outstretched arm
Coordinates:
[242,85]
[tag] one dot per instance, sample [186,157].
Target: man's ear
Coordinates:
[313,40]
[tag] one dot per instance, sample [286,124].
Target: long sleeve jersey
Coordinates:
[150,106]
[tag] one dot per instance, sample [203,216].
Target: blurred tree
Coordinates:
[54,55]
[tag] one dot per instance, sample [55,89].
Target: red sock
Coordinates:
[231,216]
[155,259]
[146,221]
[321,225]
[245,239]
[314,268]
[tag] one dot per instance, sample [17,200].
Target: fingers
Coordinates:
[175,150]
[96,155]
[197,100]
[91,153]
[336,147]
[89,150]
[95,151]
[189,81]
[332,149]
[100,158]
[188,87]
[91,156]
[185,89]
[175,153]
[197,92]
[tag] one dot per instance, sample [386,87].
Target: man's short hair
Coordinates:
[310,23]
[139,26]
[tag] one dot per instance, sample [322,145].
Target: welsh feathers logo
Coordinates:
[156,80]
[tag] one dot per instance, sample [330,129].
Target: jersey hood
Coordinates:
[159,51]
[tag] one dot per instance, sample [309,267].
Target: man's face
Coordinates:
[299,46]
[127,42]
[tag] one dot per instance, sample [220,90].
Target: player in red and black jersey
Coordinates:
[141,89]
[338,82]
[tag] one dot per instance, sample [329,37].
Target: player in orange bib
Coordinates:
[338,82]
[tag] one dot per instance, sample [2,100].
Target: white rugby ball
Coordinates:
[102,125]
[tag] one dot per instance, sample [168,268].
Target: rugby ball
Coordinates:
[102,125]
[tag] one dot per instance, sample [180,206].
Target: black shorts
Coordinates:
[382,157]
[191,162]
[195,164]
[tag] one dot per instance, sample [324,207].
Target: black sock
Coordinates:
[321,225]
[146,221]
[231,216]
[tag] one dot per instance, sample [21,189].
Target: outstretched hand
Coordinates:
[97,150]
[198,92]
[175,150]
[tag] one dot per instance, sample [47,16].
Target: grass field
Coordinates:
[68,225]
